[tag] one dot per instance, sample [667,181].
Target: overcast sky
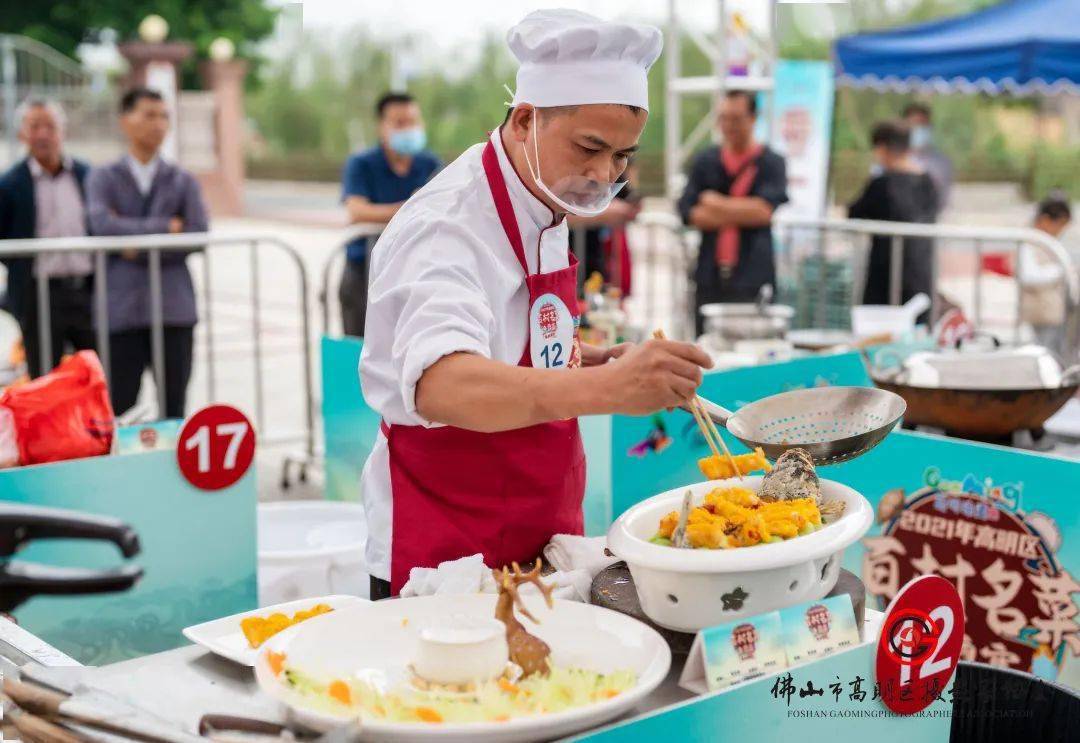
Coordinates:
[449,23]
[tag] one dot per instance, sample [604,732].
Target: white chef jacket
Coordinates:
[443,278]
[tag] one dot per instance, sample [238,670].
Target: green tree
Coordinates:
[64,24]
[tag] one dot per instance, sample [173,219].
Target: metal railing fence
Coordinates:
[667,252]
[206,244]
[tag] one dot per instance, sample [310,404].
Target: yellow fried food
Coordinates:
[719,468]
[668,524]
[740,496]
[698,515]
[258,630]
[734,513]
[800,510]
[783,529]
[704,516]
[708,534]
[752,531]
[736,517]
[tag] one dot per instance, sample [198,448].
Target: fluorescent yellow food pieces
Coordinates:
[258,630]
[719,468]
[737,517]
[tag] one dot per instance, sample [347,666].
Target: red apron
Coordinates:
[458,492]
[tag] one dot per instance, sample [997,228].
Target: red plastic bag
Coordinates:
[999,263]
[65,414]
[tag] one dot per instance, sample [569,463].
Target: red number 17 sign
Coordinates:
[920,642]
[215,447]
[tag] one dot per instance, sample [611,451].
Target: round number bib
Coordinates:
[551,333]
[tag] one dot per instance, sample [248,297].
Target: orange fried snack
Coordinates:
[719,468]
[708,534]
[736,517]
[258,630]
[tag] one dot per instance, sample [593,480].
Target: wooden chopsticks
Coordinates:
[706,425]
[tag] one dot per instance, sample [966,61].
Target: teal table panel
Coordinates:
[198,553]
[760,710]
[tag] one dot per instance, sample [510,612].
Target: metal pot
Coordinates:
[982,394]
[727,323]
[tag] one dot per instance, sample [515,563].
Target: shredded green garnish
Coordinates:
[492,701]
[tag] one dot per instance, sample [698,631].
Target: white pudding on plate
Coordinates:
[461,649]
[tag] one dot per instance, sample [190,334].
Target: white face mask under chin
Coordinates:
[581,196]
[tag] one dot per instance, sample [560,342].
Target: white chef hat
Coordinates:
[569,58]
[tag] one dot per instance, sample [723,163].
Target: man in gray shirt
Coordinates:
[141,194]
[42,196]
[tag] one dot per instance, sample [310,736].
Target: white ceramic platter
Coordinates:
[223,636]
[378,640]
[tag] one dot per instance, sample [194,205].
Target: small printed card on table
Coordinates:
[819,628]
[765,644]
[730,653]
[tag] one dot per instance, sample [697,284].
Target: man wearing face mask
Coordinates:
[471,356]
[926,155]
[375,183]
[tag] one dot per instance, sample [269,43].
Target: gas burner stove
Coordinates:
[1060,435]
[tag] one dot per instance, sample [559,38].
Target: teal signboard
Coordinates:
[198,553]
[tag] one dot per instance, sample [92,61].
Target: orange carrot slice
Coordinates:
[276,661]
[339,690]
[427,714]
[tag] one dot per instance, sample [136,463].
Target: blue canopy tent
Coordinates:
[1019,46]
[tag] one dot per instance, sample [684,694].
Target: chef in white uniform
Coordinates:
[471,353]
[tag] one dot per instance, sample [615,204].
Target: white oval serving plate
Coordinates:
[378,640]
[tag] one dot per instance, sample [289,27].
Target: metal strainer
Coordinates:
[833,424]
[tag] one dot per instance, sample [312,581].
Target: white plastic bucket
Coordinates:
[311,548]
[881,319]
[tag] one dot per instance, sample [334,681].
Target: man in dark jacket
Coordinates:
[141,194]
[730,196]
[42,196]
[900,192]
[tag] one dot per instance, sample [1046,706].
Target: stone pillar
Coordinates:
[156,65]
[225,186]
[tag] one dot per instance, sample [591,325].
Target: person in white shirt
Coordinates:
[1041,277]
[471,353]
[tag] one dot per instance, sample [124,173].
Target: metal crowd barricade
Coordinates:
[663,254]
[154,246]
[946,238]
[800,238]
[336,259]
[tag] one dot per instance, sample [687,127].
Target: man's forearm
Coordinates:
[478,394]
[705,218]
[746,211]
[732,211]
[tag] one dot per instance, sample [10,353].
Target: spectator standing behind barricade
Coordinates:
[141,194]
[900,192]
[43,196]
[926,155]
[1042,277]
[730,196]
[375,183]
[606,248]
